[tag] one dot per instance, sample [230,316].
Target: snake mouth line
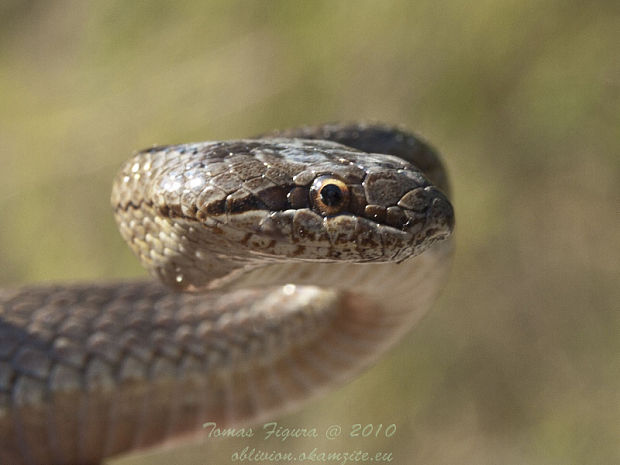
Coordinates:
[443,228]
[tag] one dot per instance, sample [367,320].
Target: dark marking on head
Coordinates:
[396,217]
[298,197]
[275,198]
[242,201]
[375,213]
[217,207]
[171,211]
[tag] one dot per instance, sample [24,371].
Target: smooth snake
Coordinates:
[309,253]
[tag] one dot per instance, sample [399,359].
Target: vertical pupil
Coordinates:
[331,195]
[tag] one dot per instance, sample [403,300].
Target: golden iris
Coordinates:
[329,195]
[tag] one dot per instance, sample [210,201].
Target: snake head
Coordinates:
[198,214]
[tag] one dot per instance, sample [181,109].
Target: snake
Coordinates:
[283,265]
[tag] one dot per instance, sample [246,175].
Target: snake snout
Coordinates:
[439,218]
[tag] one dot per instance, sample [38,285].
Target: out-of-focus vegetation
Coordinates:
[519,363]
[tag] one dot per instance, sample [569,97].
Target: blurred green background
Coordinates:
[519,363]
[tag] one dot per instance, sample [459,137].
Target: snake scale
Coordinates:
[306,253]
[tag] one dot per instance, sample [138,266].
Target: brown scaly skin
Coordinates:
[90,371]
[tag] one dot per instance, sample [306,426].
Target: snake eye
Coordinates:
[329,195]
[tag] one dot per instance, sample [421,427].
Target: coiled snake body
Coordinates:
[309,254]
